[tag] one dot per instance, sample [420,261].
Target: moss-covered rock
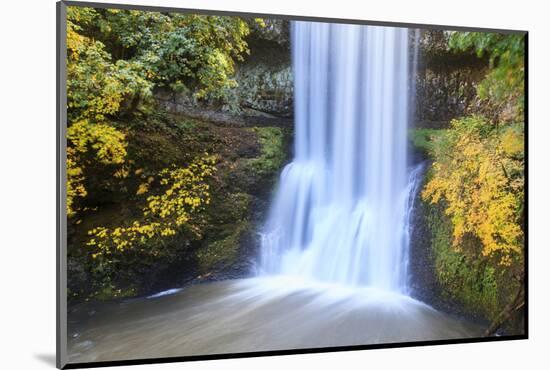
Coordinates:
[455,279]
[224,241]
[467,280]
[445,81]
[480,289]
[422,139]
[222,253]
[246,175]
[272,151]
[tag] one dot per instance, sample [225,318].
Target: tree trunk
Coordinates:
[516,304]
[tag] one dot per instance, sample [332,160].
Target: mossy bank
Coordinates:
[452,278]
[248,160]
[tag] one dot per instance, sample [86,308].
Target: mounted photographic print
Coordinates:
[234,184]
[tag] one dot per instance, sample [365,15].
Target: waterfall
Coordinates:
[340,214]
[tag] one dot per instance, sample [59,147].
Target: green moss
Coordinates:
[163,140]
[272,154]
[229,212]
[470,281]
[222,252]
[110,292]
[223,245]
[423,138]
[249,159]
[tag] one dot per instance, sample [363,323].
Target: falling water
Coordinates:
[341,211]
[337,236]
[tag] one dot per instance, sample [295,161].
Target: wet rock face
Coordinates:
[265,83]
[276,30]
[266,88]
[445,95]
[264,78]
[445,81]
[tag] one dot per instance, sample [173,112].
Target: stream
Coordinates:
[333,266]
[257,314]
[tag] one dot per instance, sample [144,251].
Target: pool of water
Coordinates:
[258,314]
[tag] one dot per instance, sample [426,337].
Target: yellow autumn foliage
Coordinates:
[478,174]
[185,192]
[97,87]
[104,143]
[75,179]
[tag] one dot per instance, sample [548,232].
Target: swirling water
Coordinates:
[257,314]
